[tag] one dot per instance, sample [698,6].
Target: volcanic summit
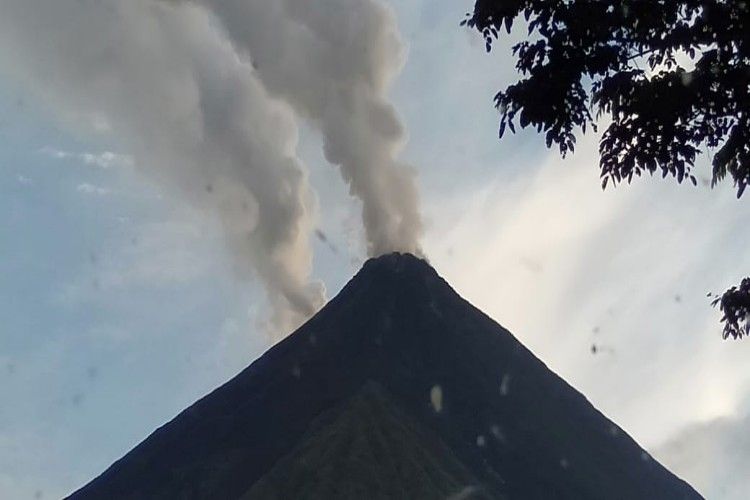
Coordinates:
[397,388]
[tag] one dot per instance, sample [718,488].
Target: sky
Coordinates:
[121,303]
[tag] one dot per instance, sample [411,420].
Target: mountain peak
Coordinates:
[396,264]
[455,389]
[395,269]
[395,261]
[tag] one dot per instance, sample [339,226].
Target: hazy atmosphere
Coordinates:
[184,184]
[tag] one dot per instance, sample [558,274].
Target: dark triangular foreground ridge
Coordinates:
[368,448]
[445,396]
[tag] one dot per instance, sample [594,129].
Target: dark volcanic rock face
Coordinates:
[400,383]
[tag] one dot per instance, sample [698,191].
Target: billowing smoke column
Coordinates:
[207,95]
[333,61]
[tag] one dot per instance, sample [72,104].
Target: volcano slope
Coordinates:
[397,388]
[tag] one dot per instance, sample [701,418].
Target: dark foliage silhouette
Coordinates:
[672,76]
[735,303]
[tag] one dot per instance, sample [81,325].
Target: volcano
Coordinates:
[397,388]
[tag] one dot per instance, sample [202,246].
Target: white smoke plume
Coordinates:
[333,61]
[207,96]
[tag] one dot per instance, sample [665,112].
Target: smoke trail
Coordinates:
[333,61]
[168,84]
[206,95]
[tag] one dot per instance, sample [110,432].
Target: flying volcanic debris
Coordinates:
[207,96]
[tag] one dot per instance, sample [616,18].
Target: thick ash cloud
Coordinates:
[207,98]
[333,62]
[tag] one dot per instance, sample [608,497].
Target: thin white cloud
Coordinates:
[92,189]
[105,159]
[23,180]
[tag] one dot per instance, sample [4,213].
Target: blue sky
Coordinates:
[120,305]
